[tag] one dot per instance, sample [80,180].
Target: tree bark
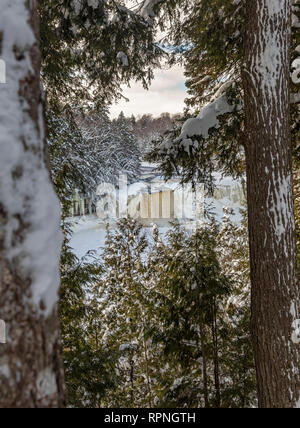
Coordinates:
[132,381]
[204,364]
[275,292]
[31,374]
[216,355]
[147,371]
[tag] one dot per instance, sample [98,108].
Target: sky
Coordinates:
[166,94]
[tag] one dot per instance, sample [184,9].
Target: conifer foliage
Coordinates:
[90,47]
[89,149]
[169,319]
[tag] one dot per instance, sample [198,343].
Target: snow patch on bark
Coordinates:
[279,205]
[268,63]
[5,371]
[46,384]
[293,310]
[296,72]
[297,406]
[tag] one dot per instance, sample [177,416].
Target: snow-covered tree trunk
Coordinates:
[275,292]
[30,365]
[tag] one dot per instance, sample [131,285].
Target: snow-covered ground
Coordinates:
[88,234]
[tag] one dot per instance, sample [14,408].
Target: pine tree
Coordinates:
[237,359]
[110,150]
[199,309]
[131,155]
[121,296]
[88,367]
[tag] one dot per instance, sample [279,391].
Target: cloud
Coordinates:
[166,94]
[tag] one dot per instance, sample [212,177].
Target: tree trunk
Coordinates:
[31,372]
[147,371]
[275,292]
[204,365]
[132,382]
[216,355]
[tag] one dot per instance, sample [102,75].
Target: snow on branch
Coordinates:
[147,10]
[295,10]
[295,98]
[123,58]
[207,119]
[296,70]
[200,126]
